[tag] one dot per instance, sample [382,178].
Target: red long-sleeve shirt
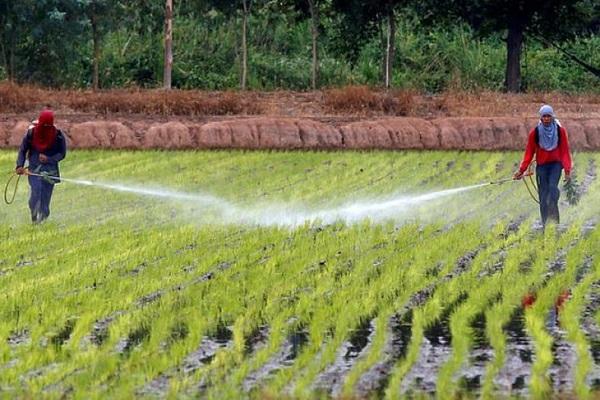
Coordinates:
[560,153]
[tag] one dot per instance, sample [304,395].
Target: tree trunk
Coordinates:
[4,57]
[314,12]
[514,47]
[246,4]
[390,48]
[96,41]
[11,61]
[168,44]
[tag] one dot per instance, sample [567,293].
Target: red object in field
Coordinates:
[528,300]
[560,300]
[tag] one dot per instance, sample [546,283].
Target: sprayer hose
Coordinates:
[6,196]
[532,188]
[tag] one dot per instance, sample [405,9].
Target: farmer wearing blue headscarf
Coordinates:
[549,143]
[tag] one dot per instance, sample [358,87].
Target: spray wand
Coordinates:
[8,199]
[527,175]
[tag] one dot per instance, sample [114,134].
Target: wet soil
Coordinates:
[589,178]
[472,376]
[374,380]
[283,358]
[203,355]
[99,332]
[513,377]
[256,340]
[20,337]
[436,349]
[592,331]
[331,380]
[133,339]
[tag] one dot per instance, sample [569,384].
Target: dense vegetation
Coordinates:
[52,43]
[119,295]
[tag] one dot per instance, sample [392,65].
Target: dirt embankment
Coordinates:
[468,133]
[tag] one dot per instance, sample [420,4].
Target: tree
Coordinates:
[314,14]
[362,18]
[99,14]
[231,7]
[552,19]
[247,8]
[8,34]
[168,44]
[40,40]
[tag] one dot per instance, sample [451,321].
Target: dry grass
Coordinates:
[160,102]
[351,101]
[17,99]
[464,104]
[364,100]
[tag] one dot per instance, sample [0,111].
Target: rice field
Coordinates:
[298,274]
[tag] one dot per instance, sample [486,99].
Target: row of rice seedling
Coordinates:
[447,294]
[424,267]
[571,320]
[116,289]
[134,295]
[376,290]
[546,299]
[487,288]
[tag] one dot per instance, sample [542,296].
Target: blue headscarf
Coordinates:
[548,138]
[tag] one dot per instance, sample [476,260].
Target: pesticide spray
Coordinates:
[284,214]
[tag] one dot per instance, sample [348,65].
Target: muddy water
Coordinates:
[396,342]
[436,349]
[203,355]
[514,376]
[422,378]
[332,379]
[472,376]
[592,332]
[283,358]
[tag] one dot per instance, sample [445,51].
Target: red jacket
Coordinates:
[560,153]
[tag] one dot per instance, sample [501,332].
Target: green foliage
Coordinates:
[50,43]
[546,69]
[437,59]
[571,188]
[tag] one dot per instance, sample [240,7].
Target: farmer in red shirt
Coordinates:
[548,142]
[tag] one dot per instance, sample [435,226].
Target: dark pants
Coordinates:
[39,200]
[548,177]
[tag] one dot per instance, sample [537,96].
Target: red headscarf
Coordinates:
[44,132]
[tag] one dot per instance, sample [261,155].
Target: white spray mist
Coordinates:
[286,215]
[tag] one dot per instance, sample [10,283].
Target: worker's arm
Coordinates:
[22,154]
[565,153]
[62,145]
[529,152]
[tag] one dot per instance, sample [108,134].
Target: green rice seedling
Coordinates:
[535,317]
[446,294]
[570,320]
[121,308]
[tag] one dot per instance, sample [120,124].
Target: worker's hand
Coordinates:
[567,176]
[518,175]
[20,171]
[43,158]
